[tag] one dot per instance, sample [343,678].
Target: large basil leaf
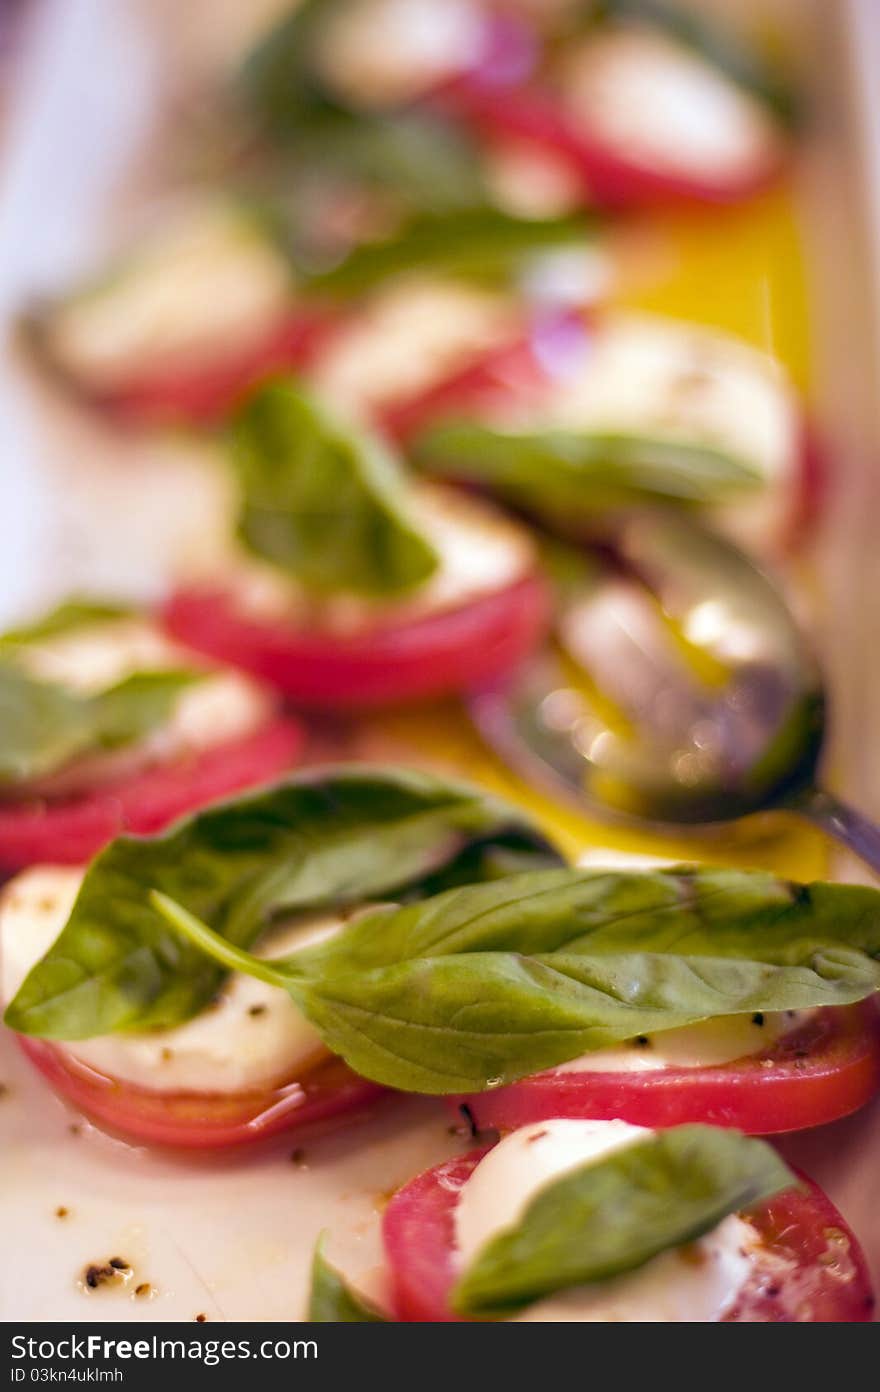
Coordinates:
[44,726]
[612,1216]
[709,40]
[330,1299]
[72,614]
[485,984]
[565,477]
[318,840]
[321,502]
[482,242]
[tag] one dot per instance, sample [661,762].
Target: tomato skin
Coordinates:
[802,1227]
[328,1093]
[608,178]
[205,393]
[830,1282]
[441,653]
[780,1090]
[69,831]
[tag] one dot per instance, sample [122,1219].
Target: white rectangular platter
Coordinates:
[232,1239]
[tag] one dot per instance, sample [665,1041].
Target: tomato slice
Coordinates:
[69,831]
[444,652]
[205,392]
[609,177]
[816,1074]
[326,1093]
[814,1268]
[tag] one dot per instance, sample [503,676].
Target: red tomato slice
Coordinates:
[819,1073]
[205,392]
[325,1093]
[445,652]
[609,177]
[815,1269]
[69,831]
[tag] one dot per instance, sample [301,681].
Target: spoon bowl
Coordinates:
[681,693]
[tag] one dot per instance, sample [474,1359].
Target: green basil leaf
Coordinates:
[72,614]
[612,1216]
[427,162]
[316,841]
[481,242]
[565,477]
[44,726]
[423,157]
[322,502]
[331,1301]
[709,40]
[485,984]
[277,82]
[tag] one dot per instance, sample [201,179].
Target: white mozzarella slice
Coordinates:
[203,285]
[705,1045]
[696,1283]
[253,1036]
[220,707]
[643,374]
[646,375]
[653,101]
[380,53]
[480,552]
[409,336]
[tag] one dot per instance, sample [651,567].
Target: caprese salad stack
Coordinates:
[621,1029]
[635,102]
[355,585]
[108,726]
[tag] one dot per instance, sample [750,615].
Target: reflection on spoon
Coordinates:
[682,692]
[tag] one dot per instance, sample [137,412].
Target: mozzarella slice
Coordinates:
[410,335]
[480,552]
[381,53]
[252,1037]
[219,708]
[695,1283]
[203,285]
[653,101]
[705,1045]
[643,374]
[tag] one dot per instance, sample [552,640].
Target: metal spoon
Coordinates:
[703,703]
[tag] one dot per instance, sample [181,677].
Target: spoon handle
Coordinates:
[851,828]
